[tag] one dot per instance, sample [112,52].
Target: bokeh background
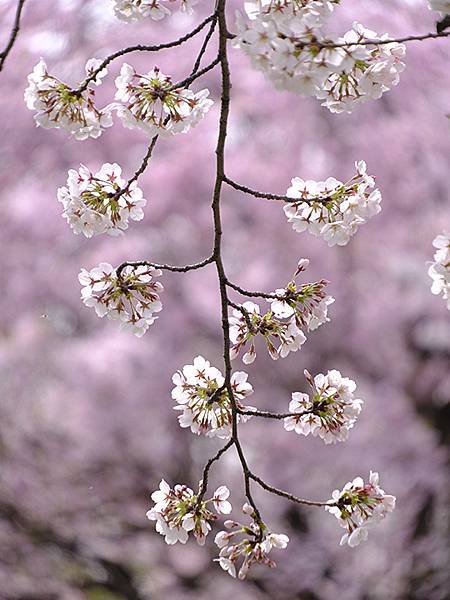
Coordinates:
[86,420]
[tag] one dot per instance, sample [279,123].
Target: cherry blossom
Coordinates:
[439,270]
[200,395]
[331,209]
[179,511]
[59,106]
[101,202]
[331,411]
[151,103]
[135,10]
[247,544]
[359,506]
[284,40]
[293,310]
[131,298]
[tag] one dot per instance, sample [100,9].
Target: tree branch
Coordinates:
[269,196]
[14,33]
[142,48]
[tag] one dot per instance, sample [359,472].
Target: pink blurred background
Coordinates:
[86,420]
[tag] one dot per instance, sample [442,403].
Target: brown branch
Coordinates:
[142,48]
[205,45]
[265,414]
[251,294]
[196,75]
[283,494]
[173,268]
[269,196]
[204,480]
[13,35]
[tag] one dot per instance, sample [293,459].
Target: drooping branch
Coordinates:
[283,494]
[14,33]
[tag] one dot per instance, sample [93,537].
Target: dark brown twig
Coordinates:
[14,33]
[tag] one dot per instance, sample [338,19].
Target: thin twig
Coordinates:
[269,196]
[185,82]
[172,268]
[251,294]
[205,45]
[283,494]
[204,480]
[13,35]
[142,48]
[265,414]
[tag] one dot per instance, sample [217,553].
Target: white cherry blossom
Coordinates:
[135,10]
[132,298]
[244,545]
[330,412]
[101,202]
[332,209]
[57,105]
[151,103]
[203,400]
[359,506]
[439,270]
[179,511]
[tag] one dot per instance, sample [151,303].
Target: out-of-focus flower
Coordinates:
[100,202]
[131,298]
[205,404]
[331,411]
[293,311]
[359,506]
[442,6]
[59,106]
[439,270]
[335,210]
[134,10]
[177,512]
[151,103]
[250,544]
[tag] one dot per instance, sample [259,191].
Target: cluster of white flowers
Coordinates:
[179,511]
[439,270]
[100,202]
[331,209]
[151,103]
[442,6]
[331,411]
[293,310]
[283,39]
[131,297]
[205,404]
[134,10]
[58,105]
[254,546]
[359,506]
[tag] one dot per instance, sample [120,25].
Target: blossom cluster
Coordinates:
[201,395]
[284,40]
[134,10]
[152,103]
[131,296]
[247,544]
[331,209]
[179,511]
[330,412]
[101,202]
[442,6]
[439,270]
[359,506]
[57,105]
[293,310]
